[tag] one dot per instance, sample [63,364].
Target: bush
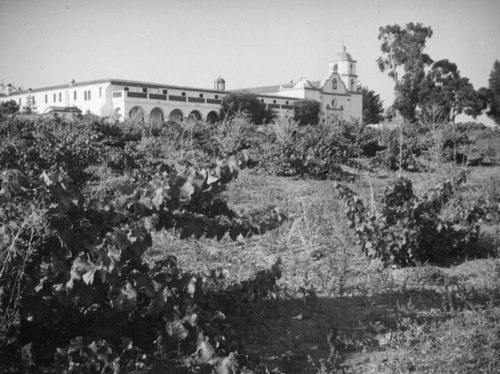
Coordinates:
[77,295]
[317,151]
[306,112]
[8,107]
[246,103]
[35,145]
[409,230]
[404,146]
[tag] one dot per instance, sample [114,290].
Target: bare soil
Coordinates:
[336,310]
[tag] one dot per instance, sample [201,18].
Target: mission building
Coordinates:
[144,101]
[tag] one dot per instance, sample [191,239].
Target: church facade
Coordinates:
[143,101]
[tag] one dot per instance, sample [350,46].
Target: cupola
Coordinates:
[342,55]
[220,84]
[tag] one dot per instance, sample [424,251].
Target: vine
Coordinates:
[85,298]
[409,230]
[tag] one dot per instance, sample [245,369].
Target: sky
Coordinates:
[249,43]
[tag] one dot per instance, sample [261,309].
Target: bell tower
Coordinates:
[345,66]
[220,84]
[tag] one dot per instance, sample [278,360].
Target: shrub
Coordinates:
[8,107]
[404,147]
[34,145]
[409,230]
[317,151]
[85,299]
[306,112]
[246,103]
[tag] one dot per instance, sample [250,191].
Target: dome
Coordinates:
[342,56]
[220,84]
[220,80]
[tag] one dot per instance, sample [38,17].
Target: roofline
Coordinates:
[343,61]
[269,88]
[266,95]
[124,82]
[121,82]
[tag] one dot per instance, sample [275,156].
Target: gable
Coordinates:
[303,83]
[333,84]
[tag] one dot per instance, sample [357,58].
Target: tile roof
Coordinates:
[121,82]
[260,90]
[124,82]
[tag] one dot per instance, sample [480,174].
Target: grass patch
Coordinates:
[337,311]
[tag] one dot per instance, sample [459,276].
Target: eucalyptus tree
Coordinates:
[493,93]
[404,61]
[445,88]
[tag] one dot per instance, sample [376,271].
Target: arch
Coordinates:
[156,116]
[194,116]
[212,117]
[117,113]
[176,116]
[136,114]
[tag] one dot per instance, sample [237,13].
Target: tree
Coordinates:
[482,100]
[405,62]
[9,107]
[444,89]
[246,102]
[373,107]
[493,93]
[306,112]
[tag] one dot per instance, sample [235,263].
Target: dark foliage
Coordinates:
[306,112]
[246,103]
[494,93]
[8,107]
[373,107]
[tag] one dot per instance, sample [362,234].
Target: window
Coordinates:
[183,94]
[126,89]
[286,102]
[88,94]
[60,97]
[352,84]
[100,91]
[46,98]
[216,96]
[334,84]
[54,98]
[33,100]
[74,95]
[274,101]
[165,92]
[145,90]
[201,95]
[84,95]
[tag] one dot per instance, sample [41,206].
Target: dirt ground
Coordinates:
[338,311]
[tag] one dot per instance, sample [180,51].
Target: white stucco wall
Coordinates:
[112,98]
[97,103]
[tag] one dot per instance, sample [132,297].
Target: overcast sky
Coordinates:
[248,42]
